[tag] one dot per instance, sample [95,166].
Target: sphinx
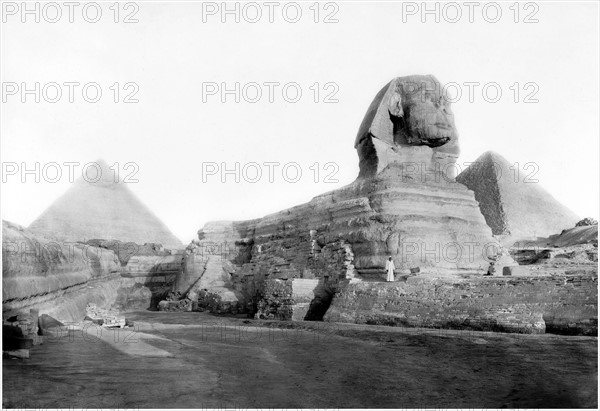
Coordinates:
[405,203]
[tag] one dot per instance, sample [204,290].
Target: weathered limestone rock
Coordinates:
[135,297]
[37,273]
[102,209]
[513,204]
[60,279]
[435,227]
[207,267]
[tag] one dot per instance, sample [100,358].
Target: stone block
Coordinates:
[518,270]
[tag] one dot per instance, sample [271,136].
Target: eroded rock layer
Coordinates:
[60,278]
[59,281]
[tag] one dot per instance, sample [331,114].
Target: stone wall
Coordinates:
[294,299]
[535,304]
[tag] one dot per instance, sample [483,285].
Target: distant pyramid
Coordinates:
[512,204]
[104,209]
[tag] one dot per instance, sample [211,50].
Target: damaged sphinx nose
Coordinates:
[408,113]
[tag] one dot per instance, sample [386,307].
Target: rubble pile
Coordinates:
[105,318]
[174,306]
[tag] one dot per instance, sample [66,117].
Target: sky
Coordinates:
[178,134]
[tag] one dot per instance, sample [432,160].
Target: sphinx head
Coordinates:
[409,111]
[420,113]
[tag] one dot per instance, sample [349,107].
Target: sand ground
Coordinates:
[196,360]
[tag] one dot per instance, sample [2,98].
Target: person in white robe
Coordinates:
[389,266]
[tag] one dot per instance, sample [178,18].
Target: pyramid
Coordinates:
[104,209]
[514,205]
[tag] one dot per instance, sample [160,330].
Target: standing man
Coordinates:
[389,266]
[491,269]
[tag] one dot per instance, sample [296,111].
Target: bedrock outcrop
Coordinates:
[60,278]
[42,274]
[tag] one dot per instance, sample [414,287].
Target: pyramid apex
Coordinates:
[485,161]
[98,172]
[493,157]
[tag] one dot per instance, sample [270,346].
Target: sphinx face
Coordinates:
[427,118]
